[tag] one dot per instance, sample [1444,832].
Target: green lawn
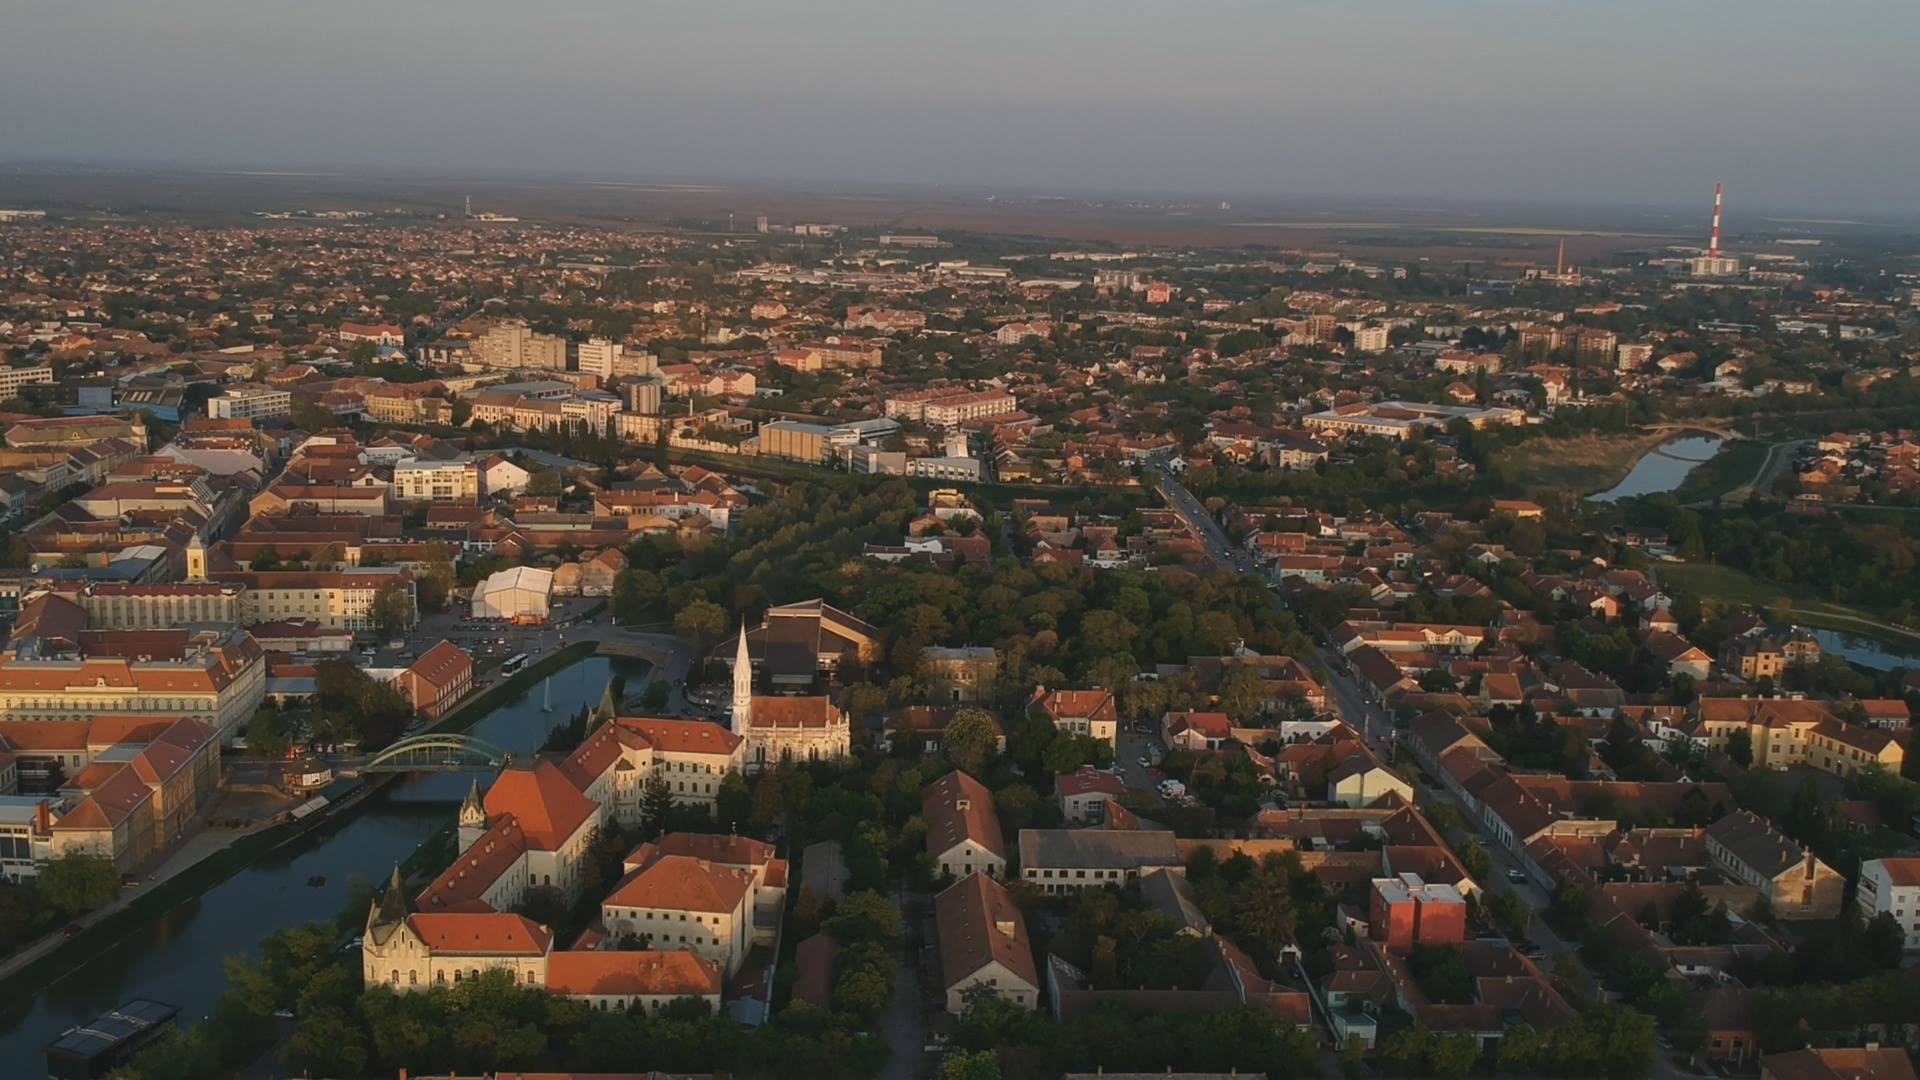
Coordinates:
[1734,465]
[1732,586]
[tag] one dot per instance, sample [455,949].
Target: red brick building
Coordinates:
[436,681]
[1405,911]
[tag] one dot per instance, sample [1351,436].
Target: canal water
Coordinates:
[1663,468]
[1866,652]
[180,958]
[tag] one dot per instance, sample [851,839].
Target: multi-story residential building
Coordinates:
[820,355]
[1082,712]
[610,360]
[513,345]
[1892,887]
[13,378]
[1795,884]
[250,402]
[1370,339]
[1404,911]
[419,480]
[957,409]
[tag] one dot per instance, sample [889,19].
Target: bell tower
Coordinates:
[742,685]
[196,559]
[473,818]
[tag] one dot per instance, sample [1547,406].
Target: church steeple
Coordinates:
[196,558]
[473,817]
[608,708]
[742,684]
[387,913]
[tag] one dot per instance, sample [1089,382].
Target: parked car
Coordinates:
[1517,877]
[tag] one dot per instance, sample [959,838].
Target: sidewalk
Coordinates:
[189,853]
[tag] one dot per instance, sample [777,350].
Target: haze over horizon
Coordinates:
[1632,102]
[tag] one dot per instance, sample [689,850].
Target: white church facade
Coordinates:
[777,727]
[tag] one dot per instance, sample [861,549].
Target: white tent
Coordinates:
[519,592]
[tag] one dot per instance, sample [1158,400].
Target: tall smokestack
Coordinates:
[1713,248]
[1560,262]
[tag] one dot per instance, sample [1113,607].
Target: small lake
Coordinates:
[1866,652]
[1663,468]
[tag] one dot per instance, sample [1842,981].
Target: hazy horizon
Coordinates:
[1633,103]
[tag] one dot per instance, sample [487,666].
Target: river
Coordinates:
[180,958]
[1663,468]
[1866,652]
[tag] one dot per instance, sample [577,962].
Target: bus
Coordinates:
[514,663]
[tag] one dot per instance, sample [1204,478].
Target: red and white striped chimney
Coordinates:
[1713,248]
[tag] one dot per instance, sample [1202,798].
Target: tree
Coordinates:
[970,1065]
[311,416]
[865,916]
[437,576]
[265,738]
[1242,693]
[702,620]
[1265,911]
[74,884]
[392,611]
[1474,860]
[1740,747]
[545,482]
[862,991]
[1453,1056]
[1353,1058]
[971,738]
[1510,912]
[656,802]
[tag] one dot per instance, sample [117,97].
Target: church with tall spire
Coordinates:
[777,727]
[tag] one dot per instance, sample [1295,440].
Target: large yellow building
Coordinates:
[115,606]
[1796,731]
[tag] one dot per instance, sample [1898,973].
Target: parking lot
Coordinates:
[491,640]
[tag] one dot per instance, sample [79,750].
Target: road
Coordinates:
[1355,706]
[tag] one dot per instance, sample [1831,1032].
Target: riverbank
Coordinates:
[28,970]
[1582,464]
[1728,585]
[35,964]
[1734,467]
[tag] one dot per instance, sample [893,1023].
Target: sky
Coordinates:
[1812,107]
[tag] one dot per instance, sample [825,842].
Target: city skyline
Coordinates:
[1488,101]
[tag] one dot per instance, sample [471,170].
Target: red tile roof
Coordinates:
[979,924]
[496,933]
[673,974]
[682,883]
[957,807]
[544,801]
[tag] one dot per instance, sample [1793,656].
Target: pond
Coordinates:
[1663,468]
[179,958]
